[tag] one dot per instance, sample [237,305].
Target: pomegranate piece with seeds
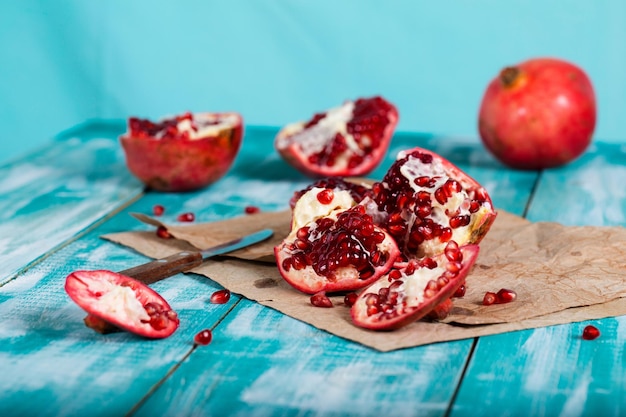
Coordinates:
[182,153]
[349,140]
[426,201]
[121,301]
[333,246]
[413,289]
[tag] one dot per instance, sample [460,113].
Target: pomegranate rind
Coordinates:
[183,164]
[544,119]
[294,154]
[415,305]
[94,291]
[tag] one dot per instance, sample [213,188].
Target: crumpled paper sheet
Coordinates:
[561,274]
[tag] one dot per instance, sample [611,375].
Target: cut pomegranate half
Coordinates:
[333,247]
[414,289]
[426,201]
[182,153]
[349,140]
[121,301]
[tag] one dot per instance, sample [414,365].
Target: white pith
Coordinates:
[314,139]
[118,301]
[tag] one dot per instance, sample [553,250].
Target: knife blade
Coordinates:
[159,269]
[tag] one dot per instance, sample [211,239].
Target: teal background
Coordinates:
[65,62]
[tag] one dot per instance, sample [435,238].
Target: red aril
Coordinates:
[349,140]
[186,217]
[158,210]
[412,290]
[182,153]
[122,302]
[220,296]
[163,233]
[538,114]
[591,332]
[203,337]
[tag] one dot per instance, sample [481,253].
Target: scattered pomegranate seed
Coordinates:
[186,217]
[252,209]
[591,332]
[158,210]
[220,297]
[321,300]
[506,296]
[350,299]
[203,337]
[501,297]
[460,292]
[489,298]
[163,233]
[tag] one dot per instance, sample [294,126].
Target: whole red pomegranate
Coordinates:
[538,114]
[349,140]
[182,153]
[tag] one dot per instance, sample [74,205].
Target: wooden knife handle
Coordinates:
[159,269]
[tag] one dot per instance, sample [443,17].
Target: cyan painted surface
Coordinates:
[278,61]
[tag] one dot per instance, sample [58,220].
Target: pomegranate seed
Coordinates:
[506,296]
[163,233]
[591,332]
[489,298]
[186,217]
[326,196]
[252,209]
[203,337]
[158,210]
[321,300]
[460,292]
[350,299]
[220,297]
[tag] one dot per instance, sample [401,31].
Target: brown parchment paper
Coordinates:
[561,274]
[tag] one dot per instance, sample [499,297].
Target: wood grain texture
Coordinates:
[54,193]
[552,371]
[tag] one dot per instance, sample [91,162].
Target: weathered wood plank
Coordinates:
[552,371]
[54,193]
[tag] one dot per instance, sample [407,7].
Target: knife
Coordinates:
[159,269]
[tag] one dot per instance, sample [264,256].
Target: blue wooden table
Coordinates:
[57,201]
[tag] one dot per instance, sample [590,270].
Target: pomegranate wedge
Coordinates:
[349,140]
[121,301]
[413,289]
